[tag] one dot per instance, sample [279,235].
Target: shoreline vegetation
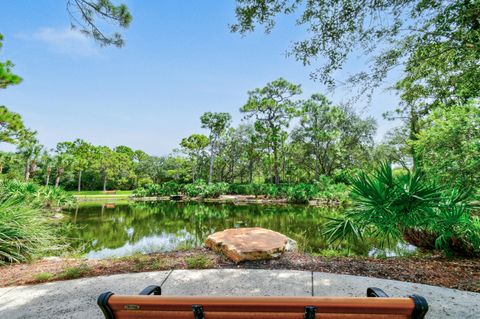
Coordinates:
[227,198]
[449,272]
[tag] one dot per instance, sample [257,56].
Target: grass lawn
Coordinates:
[101,194]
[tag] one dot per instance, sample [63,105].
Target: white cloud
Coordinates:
[66,41]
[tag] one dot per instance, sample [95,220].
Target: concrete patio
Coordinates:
[77,298]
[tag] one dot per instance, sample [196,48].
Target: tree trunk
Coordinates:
[105,182]
[250,171]
[275,164]
[194,168]
[1,169]
[49,172]
[317,166]
[232,171]
[59,174]
[33,168]
[79,181]
[27,170]
[211,166]
[413,136]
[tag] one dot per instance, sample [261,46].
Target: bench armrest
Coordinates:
[153,289]
[376,292]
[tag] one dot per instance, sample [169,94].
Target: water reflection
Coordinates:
[127,228]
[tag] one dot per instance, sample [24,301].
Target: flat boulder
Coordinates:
[256,243]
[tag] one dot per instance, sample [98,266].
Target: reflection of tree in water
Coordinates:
[190,223]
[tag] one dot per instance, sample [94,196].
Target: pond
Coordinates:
[122,229]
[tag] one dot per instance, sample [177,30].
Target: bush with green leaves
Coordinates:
[410,207]
[204,190]
[301,193]
[170,188]
[25,229]
[241,189]
[195,189]
[152,190]
[42,196]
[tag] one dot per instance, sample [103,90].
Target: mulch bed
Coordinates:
[455,273]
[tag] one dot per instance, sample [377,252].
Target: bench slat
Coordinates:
[126,314]
[266,304]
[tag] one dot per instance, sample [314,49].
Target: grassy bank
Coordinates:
[101,194]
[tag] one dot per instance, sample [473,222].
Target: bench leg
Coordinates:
[198,312]
[310,312]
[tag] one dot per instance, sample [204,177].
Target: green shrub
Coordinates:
[301,193]
[204,190]
[214,190]
[151,190]
[33,194]
[25,231]
[195,189]
[170,188]
[408,206]
[54,197]
[140,192]
[144,181]
[241,189]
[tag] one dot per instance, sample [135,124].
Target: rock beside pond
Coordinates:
[240,244]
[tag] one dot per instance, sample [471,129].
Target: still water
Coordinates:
[122,229]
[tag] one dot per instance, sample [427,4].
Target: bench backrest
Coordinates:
[205,307]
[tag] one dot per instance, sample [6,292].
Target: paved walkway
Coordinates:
[77,298]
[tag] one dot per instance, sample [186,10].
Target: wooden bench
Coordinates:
[209,307]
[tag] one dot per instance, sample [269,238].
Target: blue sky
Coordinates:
[180,60]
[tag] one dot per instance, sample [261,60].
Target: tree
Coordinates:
[332,136]
[272,108]
[449,145]
[112,165]
[252,150]
[395,148]
[82,158]
[11,125]
[46,163]
[7,161]
[30,150]
[195,144]
[152,167]
[84,14]
[7,78]
[216,123]
[438,42]
[63,160]
[124,175]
